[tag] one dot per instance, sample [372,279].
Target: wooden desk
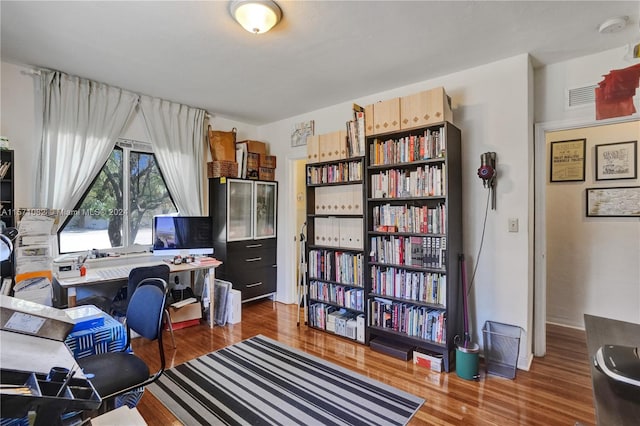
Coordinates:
[611,409]
[93,278]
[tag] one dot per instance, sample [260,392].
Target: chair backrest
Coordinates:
[144,313]
[144,316]
[143,272]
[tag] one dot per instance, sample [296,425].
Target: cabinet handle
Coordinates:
[254,259]
[254,284]
[254,245]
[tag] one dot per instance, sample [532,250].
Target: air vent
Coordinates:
[581,96]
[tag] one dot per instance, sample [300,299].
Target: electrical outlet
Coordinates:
[513,224]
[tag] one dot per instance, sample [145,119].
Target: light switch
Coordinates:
[513,224]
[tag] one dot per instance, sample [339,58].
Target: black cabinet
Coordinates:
[245,219]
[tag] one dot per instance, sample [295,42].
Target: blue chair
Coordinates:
[115,373]
[136,276]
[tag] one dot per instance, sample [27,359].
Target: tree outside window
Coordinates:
[108,216]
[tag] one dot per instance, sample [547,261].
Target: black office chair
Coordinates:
[115,373]
[136,276]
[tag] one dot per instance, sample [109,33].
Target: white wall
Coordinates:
[492,107]
[17,122]
[553,81]
[592,263]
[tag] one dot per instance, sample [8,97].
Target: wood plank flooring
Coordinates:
[556,391]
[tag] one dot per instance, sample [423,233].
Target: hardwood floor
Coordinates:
[556,391]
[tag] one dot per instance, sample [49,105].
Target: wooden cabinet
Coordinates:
[414,238]
[7,203]
[245,220]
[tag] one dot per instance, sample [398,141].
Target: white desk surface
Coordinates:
[31,353]
[93,277]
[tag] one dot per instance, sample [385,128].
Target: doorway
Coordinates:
[543,131]
[298,212]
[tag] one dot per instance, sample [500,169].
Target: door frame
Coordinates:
[540,223]
[290,231]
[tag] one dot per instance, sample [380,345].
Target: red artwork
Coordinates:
[614,94]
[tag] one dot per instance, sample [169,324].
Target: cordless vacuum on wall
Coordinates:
[487,172]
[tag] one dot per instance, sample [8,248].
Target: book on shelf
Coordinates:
[4,168]
[356,132]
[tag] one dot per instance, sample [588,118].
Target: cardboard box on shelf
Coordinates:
[253,165]
[253,161]
[255,146]
[268,161]
[266,173]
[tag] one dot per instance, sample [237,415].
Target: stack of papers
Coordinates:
[33,258]
[184,302]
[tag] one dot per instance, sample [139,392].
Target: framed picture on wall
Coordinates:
[623,201]
[300,132]
[617,160]
[567,160]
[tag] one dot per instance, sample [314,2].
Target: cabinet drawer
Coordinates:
[252,253]
[256,283]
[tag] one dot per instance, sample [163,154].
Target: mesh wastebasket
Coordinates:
[501,347]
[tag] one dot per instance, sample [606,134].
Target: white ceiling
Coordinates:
[321,54]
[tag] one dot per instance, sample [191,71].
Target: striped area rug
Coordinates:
[262,382]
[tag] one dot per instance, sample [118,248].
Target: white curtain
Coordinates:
[80,124]
[177,134]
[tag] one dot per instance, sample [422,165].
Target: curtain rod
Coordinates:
[31,72]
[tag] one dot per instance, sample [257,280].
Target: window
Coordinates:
[109,217]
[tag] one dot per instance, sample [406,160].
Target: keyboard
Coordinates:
[114,273]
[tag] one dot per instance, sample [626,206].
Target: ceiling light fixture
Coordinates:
[256,16]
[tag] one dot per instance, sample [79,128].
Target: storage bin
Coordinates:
[255,146]
[386,116]
[265,173]
[425,108]
[501,348]
[313,148]
[222,168]
[268,161]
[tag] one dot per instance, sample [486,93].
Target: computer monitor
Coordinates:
[182,235]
